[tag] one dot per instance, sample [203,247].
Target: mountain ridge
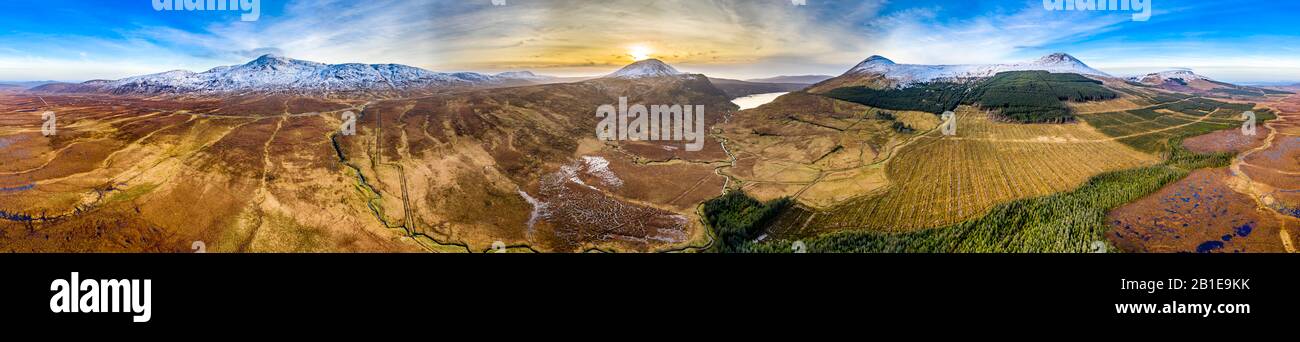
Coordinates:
[1159,77]
[880,72]
[278,74]
[919,73]
[1186,80]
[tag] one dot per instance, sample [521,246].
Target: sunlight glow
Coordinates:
[639,52]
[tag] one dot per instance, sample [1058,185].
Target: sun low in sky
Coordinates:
[639,52]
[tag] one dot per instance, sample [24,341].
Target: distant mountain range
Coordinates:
[25,84]
[803,79]
[276,74]
[1271,84]
[523,75]
[738,88]
[1187,81]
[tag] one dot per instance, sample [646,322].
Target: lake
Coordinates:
[753,101]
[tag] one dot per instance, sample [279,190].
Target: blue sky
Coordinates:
[74,40]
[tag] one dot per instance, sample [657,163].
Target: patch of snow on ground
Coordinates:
[539,211]
[599,167]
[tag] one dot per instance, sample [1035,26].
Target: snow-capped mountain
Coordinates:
[1185,80]
[272,73]
[1165,76]
[906,74]
[647,68]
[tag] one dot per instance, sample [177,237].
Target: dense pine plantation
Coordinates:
[1036,96]
[1019,96]
[1068,222]
[935,97]
[738,219]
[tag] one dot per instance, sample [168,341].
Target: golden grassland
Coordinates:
[814,148]
[941,180]
[131,175]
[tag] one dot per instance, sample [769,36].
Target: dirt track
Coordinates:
[1262,192]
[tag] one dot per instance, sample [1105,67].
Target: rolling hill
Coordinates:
[1040,152]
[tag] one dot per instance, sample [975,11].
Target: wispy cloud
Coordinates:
[926,35]
[728,38]
[327,31]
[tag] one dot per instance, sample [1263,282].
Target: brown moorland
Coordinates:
[1250,206]
[454,171]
